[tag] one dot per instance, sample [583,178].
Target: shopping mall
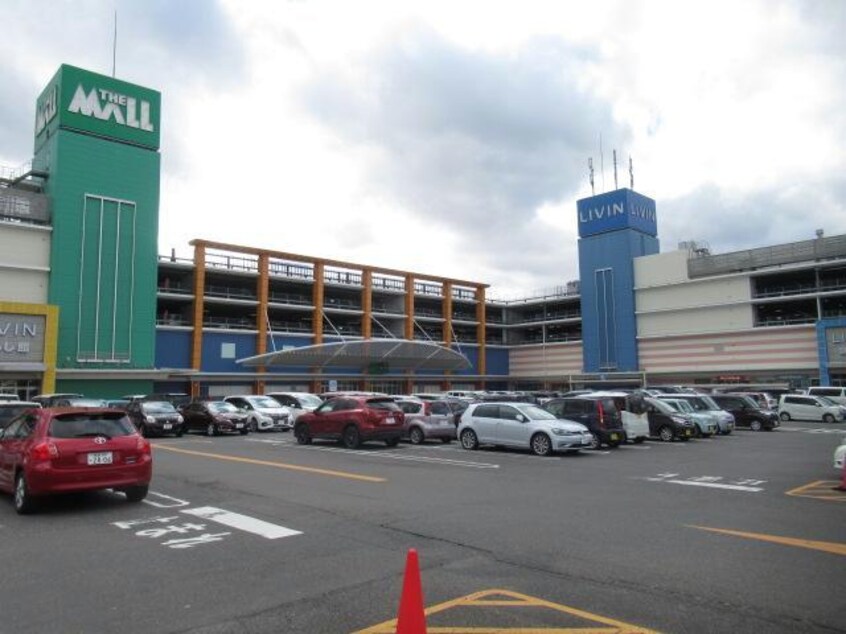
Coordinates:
[88,305]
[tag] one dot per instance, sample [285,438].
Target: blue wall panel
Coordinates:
[245,346]
[173,349]
[497,359]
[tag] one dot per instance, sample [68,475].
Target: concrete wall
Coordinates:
[24,263]
[550,360]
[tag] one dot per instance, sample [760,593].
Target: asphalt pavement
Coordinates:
[742,533]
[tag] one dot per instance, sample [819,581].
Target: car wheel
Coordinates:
[351,437]
[211,430]
[415,435]
[755,425]
[828,418]
[469,439]
[697,432]
[24,502]
[392,442]
[665,433]
[302,434]
[136,494]
[446,441]
[253,424]
[595,442]
[541,445]
[785,416]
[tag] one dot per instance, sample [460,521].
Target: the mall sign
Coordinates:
[107,105]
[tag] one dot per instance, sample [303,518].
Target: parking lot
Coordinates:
[256,533]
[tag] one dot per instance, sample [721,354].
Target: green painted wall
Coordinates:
[104,189]
[104,388]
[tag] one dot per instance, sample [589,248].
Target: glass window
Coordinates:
[507,412]
[109,424]
[487,411]
[382,403]
[441,409]
[158,407]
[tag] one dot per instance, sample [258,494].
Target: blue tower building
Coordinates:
[614,228]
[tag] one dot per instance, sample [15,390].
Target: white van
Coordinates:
[836,394]
[807,407]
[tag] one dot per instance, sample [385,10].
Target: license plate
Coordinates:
[687,432]
[390,420]
[239,425]
[613,436]
[167,426]
[102,457]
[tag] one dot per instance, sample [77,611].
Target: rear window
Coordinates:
[109,424]
[825,391]
[8,413]
[382,403]
[410,407]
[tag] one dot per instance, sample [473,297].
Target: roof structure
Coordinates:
[368,355]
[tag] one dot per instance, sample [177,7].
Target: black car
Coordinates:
[155,417]
[214,418]
[598,413]
[666,423]
[746,412]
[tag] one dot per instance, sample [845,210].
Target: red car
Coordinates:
[69,449]
[353,419]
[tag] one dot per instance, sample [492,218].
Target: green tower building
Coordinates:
[98,139]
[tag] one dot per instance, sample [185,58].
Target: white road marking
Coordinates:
[172,504]
[714,485]
[242,522]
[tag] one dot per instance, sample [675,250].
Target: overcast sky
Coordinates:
[452,138]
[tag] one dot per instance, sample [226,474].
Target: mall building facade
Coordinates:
[88,305]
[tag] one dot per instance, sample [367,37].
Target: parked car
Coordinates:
[836,394]
[263,412]
[214,417]
[632,414]
[425,420]
[297,402]
[10,409]
[521,425]
[667,423]
[62,450]
[746,412]
[804,407]
[118,403]
[705,423]
[353,420]
[599,414]
[178,399]
[50,400]
[9,396]
[80,402]
[155,418]
[704,403]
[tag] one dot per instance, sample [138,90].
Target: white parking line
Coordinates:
[714,485]
[242,522]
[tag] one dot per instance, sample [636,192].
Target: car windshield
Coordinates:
[682,406]
[309,400]
[709,403]
[109,424]
[158,407]
[665,407]
[264,402]
[536,413]
[86,402]
[221,407]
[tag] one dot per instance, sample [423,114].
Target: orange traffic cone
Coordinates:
[411,619]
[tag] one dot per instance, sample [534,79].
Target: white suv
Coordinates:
[263,413]
[804,407]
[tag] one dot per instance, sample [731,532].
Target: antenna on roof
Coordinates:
[631,172]
[590,171]
[114,46]
[601,162]
[615,169]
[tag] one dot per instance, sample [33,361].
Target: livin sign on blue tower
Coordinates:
[614,228]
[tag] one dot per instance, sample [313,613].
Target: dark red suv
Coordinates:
[352,420]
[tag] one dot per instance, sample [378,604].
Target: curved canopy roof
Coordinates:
[369,355]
